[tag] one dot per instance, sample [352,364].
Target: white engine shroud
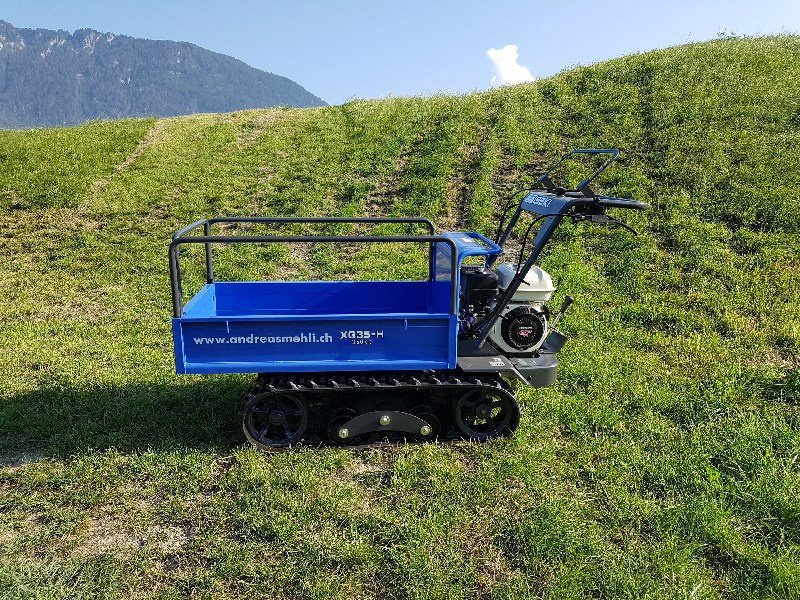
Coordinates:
[534,291]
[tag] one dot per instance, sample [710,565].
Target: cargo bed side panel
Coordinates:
[342,343]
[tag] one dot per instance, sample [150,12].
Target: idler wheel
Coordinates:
[273,421]
[481,414]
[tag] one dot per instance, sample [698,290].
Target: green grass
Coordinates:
[664,463]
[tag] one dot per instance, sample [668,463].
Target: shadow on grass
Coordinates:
[63,420]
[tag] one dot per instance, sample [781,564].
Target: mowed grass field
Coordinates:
[663,464]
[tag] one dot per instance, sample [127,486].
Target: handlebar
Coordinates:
[583,186]
[612,202]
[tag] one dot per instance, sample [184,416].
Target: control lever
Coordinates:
[604,219]
[560,314]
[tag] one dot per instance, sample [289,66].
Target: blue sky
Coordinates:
[363,49]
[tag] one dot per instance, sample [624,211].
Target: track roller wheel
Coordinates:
[339,417]
[274,421]
[426,414]
[482,414]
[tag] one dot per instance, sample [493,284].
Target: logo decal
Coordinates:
[538,200]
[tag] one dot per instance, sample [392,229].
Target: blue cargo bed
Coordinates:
[321,326]
[316,326]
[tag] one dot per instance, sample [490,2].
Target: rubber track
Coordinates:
[352,386]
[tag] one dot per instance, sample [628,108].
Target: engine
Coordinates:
[522,326]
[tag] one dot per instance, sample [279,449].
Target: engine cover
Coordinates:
[521,329]
[536,286]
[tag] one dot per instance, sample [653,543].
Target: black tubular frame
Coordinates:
[207,240]
[572,205]
[207,223]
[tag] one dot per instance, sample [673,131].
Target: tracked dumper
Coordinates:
[363,362]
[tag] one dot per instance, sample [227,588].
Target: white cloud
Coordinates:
[507,71]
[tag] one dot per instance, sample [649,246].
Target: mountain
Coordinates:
[57,78]
[664,463]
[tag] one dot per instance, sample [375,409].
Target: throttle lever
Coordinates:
[604,219]
[560,314]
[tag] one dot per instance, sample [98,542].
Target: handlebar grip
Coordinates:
[612,202]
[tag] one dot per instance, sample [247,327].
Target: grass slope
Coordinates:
[664,463]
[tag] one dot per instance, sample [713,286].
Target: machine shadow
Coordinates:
[63,420]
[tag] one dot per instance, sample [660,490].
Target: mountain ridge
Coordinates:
[54,77]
